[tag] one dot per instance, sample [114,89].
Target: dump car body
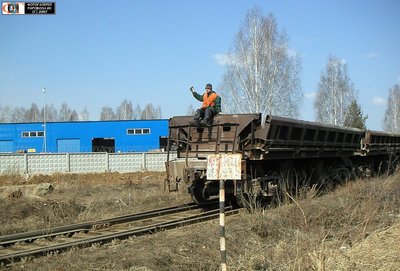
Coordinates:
[284,138]
[274,151]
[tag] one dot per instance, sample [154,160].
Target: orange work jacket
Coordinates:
[209,100]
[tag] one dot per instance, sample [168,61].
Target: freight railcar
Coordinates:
[279,154]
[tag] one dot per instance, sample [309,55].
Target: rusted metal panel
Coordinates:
[283,138]
[376,142]
[199,141]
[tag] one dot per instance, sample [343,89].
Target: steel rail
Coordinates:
[11,239]
[108,237]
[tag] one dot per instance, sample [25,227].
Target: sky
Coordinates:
[98,53]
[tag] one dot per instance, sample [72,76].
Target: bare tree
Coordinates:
[64,112]
[18,114]
[137,112]
[51,113]
[190,110]
[84,115]
[5,113]
[391,122]
[73,116]
[32,114]
[262,75]
[335,93]
[125,110]
[107,113]
[150,112]
[67,114]
[3,117]
[158,112]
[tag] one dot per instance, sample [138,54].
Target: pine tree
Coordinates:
[354,116]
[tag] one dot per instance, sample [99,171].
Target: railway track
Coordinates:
[16,247]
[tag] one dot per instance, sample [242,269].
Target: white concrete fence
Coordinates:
[48,163]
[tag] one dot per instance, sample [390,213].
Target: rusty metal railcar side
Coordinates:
[284,138]
[272,150]
[193,143]
[376,142]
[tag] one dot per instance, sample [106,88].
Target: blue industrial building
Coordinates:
[84,136]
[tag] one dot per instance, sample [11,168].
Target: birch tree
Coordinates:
[391,122]
[107,113]
[335,93]
[125,110]
[190,110]
[262,75]
[73,116]
[33,114]
[5,113]
[137,112]
[51,113]
[67,114]
[84,115]
[151,112]
[18,114]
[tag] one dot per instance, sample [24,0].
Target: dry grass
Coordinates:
[355,227]
[82,197]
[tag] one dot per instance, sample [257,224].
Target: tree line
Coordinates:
[263,76]
[124,111]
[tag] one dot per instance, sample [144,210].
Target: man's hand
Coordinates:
[192,89]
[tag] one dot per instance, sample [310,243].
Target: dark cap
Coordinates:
[209,86]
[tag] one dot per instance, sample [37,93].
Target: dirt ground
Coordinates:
[355,227]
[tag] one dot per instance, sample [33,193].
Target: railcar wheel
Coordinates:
[343,174]
[197,193]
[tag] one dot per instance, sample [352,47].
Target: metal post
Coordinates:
[44,122]
[222,223]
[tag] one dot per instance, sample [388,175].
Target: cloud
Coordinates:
[223,59]
[372,55]
[310,95]
[378,101]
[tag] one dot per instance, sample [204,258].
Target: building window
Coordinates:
[138,131]
[32,134]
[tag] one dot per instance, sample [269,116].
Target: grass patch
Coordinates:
[355,227]
[336,231]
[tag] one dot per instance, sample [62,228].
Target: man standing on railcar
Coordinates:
[211,106]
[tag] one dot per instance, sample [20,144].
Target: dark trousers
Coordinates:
[205,114]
